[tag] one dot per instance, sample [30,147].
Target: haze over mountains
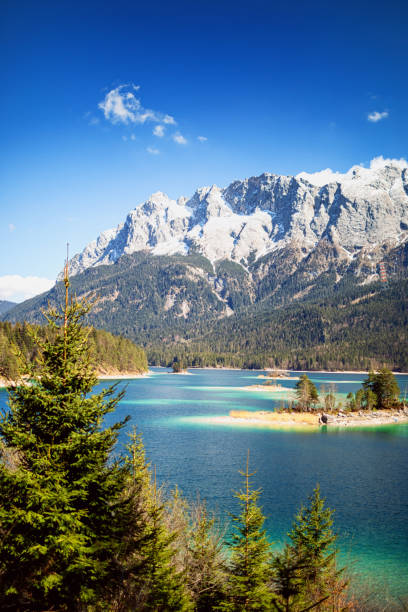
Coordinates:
[286,267]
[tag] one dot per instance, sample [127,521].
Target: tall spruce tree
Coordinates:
[63,512]
[312,547]
[148,576]
[250,570]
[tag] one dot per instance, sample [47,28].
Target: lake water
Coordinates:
[362,472]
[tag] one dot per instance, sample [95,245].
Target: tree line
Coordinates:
[108,352]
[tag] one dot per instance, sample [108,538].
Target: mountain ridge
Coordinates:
[252,218]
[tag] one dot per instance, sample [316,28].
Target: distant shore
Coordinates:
[363,372]
[4,383]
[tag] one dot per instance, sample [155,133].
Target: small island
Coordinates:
[376,403]
[178,367]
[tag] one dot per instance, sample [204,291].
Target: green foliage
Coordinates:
[108,353]
[283,318]
[312,546]
[63,514]
[384,387]
[306,393]
[177,366]
[83,532]
[289,585]
[147,576]
[199,550]
[248,587]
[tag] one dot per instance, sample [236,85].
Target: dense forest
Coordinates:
[217,315]
[359,328]
[110,354]
[83,533]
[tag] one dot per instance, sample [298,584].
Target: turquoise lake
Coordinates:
[362,472]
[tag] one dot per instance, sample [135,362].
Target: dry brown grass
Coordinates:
[278,419]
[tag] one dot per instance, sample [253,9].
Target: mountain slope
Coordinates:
[5,306]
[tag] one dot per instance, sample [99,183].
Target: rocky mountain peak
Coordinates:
[249,219]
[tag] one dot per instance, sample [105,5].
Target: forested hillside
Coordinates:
[358,328]
[110,354]
[274,314]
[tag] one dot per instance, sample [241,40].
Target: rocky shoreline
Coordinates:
[316,420]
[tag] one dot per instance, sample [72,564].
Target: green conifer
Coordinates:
[250,572]
[312,545]
[306,393]
[63,512]
[148,578]
[383,387]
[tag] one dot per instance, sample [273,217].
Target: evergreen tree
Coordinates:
[63,512]
[384,386]
[206,571]
[250,572]
[289,584]
[312,545]
[147,575]
[199,550]
[306,393]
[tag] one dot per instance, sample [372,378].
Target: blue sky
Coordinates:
[231,89]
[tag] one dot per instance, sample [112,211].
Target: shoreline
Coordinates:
[122,375]
[271,389]
[365,372]
[282,420]
[5,384]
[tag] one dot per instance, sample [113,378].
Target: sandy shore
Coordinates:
[127,375]
[278,377]
[306,419]
[268,388]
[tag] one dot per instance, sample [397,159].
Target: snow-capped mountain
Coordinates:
[355,211]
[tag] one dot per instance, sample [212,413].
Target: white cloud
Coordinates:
[153,151]
[169,120]
[120,105]
[158,131]
[18,288]
[12,227]
[376,116]
[202,138]
[132,137]
[325,177]
[380,162]
[179,138]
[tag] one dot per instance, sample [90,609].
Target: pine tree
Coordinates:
[250,572]
[207,564]
[312,545]
[306,393]
[63,511]
[384,387]
[150,577]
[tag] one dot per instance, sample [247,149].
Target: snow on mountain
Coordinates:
[361,208]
